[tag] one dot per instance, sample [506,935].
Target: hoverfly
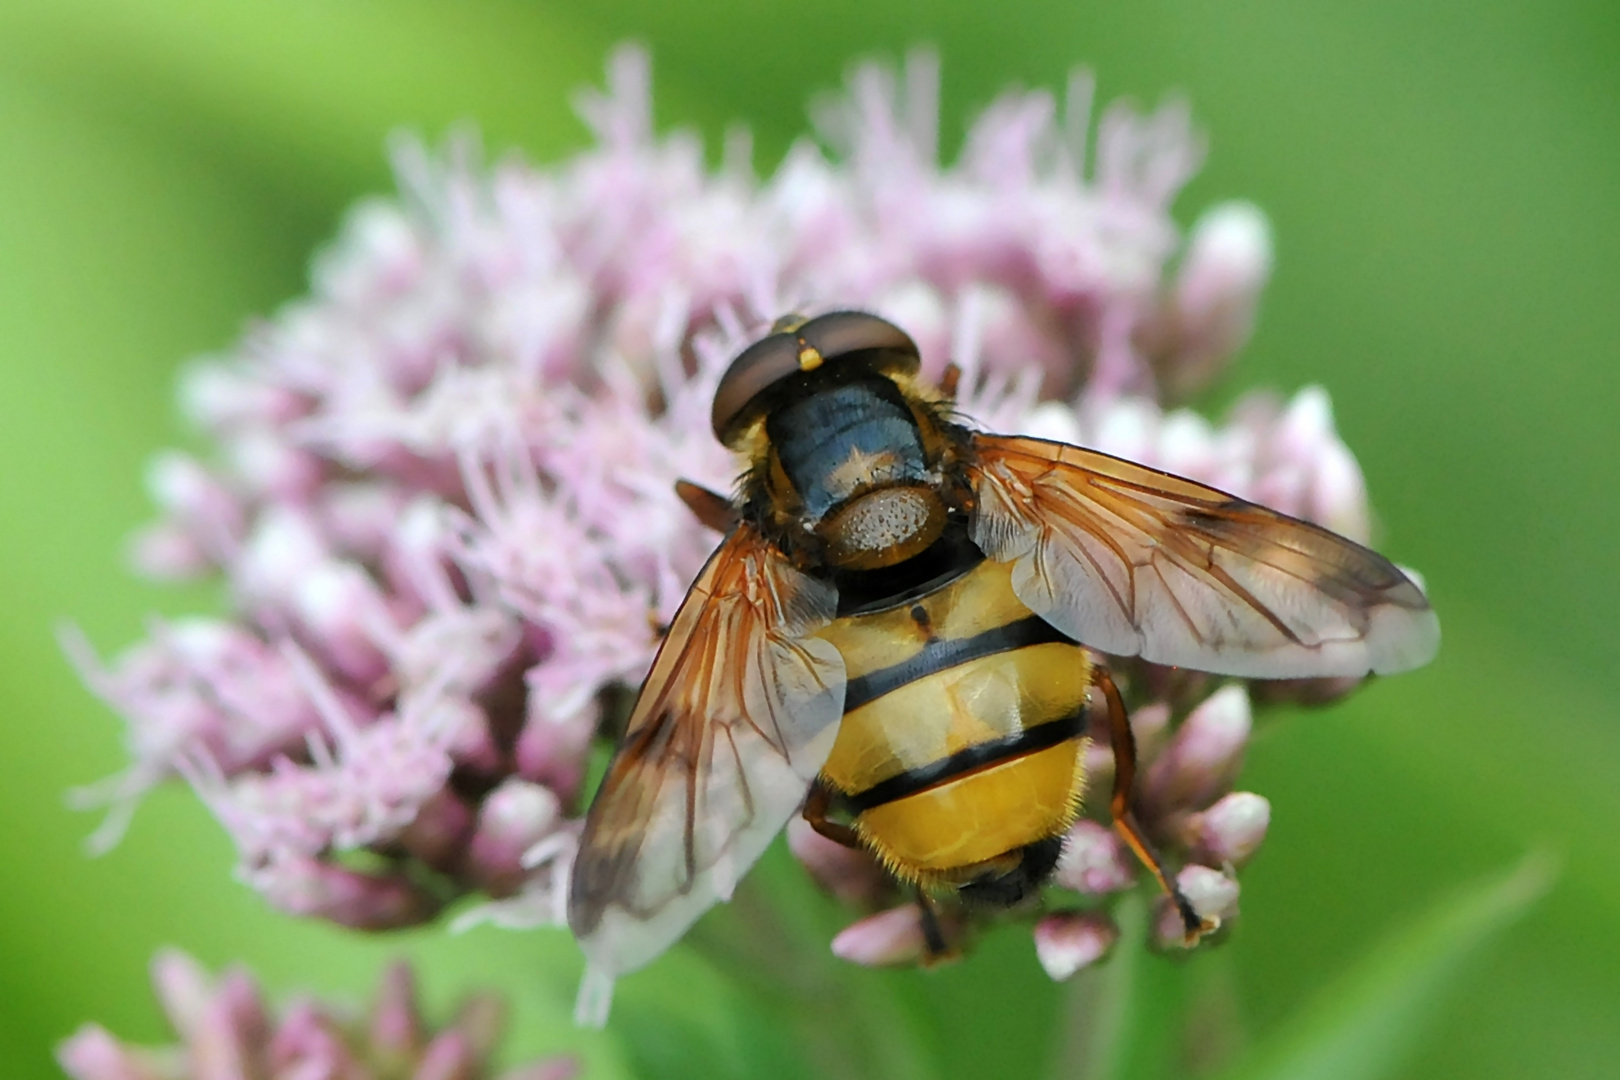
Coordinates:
[902,631]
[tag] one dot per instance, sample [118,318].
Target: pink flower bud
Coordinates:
[1094,861]
[267,464]
[308,1043]
[1068,941]
[448,1057]
[363,517]
[220,396]
[552,754]
[889,937]
[514,817]
[438,834]
[1204,755]
[93,1054]
[284,545]
[183,989]
[1216,292]
[221,1045]
[303,886]
[339,607]
[479,1019]
[166,552]
[395,1023]
[381,255]
[1210,892]
[1338,494]
[1231,831]
[200,503]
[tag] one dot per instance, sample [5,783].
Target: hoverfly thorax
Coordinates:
[848,460]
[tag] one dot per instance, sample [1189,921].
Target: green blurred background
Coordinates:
[1444,180]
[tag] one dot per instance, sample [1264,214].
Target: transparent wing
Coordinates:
[734,721]
[1137,562]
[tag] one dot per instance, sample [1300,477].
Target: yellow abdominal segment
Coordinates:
[941,714]
[974,818]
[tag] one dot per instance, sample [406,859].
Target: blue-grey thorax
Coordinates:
[845,440]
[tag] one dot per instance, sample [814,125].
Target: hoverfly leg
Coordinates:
[936,949]
[1123,743]
[949,378]
[709,507]
[816,805]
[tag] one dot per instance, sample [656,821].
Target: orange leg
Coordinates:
[948,380]
[1124,746]
[816,805]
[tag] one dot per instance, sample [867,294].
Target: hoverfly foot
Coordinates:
[1197,931]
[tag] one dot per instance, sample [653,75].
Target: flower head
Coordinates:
[227,1031]
[442,494]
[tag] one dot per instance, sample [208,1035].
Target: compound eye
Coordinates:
[796,345]
[841,332]
[763,364]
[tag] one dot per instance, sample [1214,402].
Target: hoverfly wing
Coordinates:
[1137,562]
[732,724]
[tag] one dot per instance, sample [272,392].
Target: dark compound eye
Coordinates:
[797,345]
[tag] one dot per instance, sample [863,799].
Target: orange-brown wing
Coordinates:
[733,723]
[1136,562]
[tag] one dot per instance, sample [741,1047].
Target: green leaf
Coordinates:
[1362,1025]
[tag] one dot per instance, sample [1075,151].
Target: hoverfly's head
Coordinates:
[845,451]
[802,355]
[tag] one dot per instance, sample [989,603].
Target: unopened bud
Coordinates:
[339,607]
[438,833]
[1093,861]
[513,818]
[479,1019]
[93,1054]
[395,1023]
[347,897]
[449,1056]
[1216,293]
[221,397]
[272,467]
[1068,941]
[889,937]
[1231,831]
[166,552]
[183,989]
[552,754]
[1204,755]
[307,1042]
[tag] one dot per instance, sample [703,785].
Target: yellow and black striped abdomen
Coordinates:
[961,740]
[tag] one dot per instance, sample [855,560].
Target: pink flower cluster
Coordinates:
[442,493]
[227,1031]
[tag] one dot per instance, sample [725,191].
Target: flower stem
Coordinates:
[1122,1018]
